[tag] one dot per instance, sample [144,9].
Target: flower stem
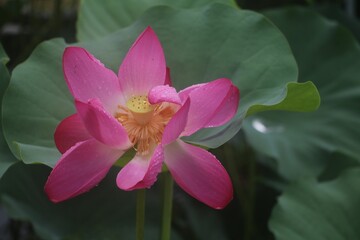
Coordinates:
[140,214]
[167,206]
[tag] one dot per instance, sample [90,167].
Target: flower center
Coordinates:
[139,104]
[144,122]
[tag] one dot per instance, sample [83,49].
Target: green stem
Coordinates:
[167,209]
[140,214]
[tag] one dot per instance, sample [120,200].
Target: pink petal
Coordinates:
[70,131]
[163,93]
[227,109]
[144,66]
[199,173]
[184,94]
[81,168]
[87,78]
[176,125]
[208,102]
[141,171]
[168,77]
[101,125]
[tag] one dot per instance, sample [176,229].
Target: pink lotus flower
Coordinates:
[139,109]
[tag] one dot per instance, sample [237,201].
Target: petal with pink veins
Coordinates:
[207,101]
[101,125]
[88,78]
[70,131]
[144,66]
[81,168]
[141,171]
[163,93]
[199,173]
[184,94]
[176,125]
[227,108]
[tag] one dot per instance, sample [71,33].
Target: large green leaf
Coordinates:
[328,55]
[36,101]
[200,45]
[6,158]
[98,18]
[309,210]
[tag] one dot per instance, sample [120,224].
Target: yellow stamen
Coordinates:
[144,122]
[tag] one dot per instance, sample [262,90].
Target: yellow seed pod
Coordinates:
[139,104]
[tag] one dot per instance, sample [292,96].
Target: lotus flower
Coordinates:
[139,109]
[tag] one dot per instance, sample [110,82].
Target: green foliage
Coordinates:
[328,55]
[3,57]
[36,101]
[6,158]
[334,12]
[322,211]
[103,213]
[300,97]
[99,18]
